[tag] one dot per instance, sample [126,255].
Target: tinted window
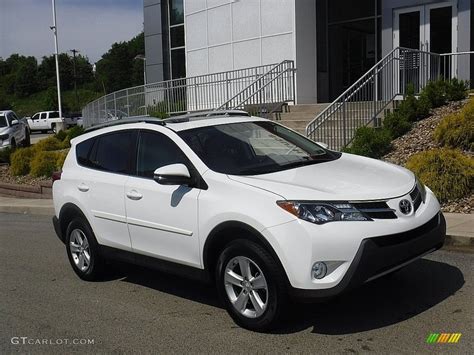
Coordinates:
[156,150]
[3,121]
[35,116]
[54,114]
[83,153]
[113,152]
[43,116]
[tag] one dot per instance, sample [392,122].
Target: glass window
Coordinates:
[3,121]
[35,116]
[54,114]
[114,152]
[177,36]
[176,12]
[156,150]
[43,116]
[251,148]
[83,150]
[178,63]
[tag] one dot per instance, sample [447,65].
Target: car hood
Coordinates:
[349,178]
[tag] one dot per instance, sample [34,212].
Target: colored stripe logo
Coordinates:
[443,338]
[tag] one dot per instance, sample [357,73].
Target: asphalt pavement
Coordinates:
[37,136]
[46,308]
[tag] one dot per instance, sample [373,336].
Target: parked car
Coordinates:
[45,121]
[258,209]
[72,119]
[13,131]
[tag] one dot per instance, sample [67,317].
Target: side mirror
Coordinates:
[14,122]
[324,145]
[174,174]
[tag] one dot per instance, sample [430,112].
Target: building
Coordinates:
[333,42]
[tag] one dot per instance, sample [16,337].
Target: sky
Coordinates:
[91,26]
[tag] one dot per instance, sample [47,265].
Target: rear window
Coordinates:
[54,114]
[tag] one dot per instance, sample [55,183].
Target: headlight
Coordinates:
[323,212]
[422,189]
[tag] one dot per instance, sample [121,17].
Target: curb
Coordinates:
[33,210]
[459,241]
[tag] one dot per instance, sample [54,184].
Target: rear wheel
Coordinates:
[54,129]
[83,250]
[250,285]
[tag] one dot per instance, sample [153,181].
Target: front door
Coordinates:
[162,219]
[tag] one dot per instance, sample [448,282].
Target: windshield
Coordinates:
[252,148]
[3,121]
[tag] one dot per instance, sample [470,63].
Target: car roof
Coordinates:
[176,124]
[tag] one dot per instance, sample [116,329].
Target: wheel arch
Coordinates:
[67,213]
[226,232]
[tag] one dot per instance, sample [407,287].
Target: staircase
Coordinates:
[298,116]
[366,101]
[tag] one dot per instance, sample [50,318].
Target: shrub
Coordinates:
[435,93]
[370,142]
[5,155]
[448,172]
[409,106]
[423,107]
[61,135]
[74,132]
[44,163]
[456,89]
[48,144]
[20,161]
[61,157]
[457,130]
[396,123]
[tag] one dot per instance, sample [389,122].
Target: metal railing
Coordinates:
[263,84]
[364,102]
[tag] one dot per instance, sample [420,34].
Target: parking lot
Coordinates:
[37,136]
[135,309]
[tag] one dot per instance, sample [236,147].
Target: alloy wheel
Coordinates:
[246,287]
[80,250]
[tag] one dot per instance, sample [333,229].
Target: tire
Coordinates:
[27,141]
[88,269]
[240,300]
[53,128]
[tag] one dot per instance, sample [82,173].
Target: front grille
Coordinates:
[376,210]
[416,197]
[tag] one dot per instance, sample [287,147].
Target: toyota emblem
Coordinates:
[405,206]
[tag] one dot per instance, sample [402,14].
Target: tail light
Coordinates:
[56,176]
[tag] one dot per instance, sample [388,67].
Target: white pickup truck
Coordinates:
[46,121]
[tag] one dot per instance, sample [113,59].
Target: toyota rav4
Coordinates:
[261,211]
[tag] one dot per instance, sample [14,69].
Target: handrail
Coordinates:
[364,101]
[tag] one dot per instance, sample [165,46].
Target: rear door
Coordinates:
[106,162]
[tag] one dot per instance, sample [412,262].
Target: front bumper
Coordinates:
[378,256]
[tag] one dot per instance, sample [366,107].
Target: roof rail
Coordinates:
[205,114]
[143,119]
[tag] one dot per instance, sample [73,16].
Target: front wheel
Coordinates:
[250,285]
[83,250]
[27,141]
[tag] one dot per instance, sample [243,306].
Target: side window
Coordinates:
[114,152]
[83,153]
[43,116]
[10,118]
[35,116]
[156,150]
[54,114]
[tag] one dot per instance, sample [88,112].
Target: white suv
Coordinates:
[244,202]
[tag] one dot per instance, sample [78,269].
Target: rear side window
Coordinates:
[156,150]
[54,114]
[83,150]
[112,152]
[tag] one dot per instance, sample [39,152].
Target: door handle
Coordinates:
[134,195]
[83,187]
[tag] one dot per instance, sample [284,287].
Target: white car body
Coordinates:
[177,224]
[13,131]
[45,121]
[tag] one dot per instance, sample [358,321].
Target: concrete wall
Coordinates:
[224,35]
[153,40]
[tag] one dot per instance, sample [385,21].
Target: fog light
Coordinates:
[319,270]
